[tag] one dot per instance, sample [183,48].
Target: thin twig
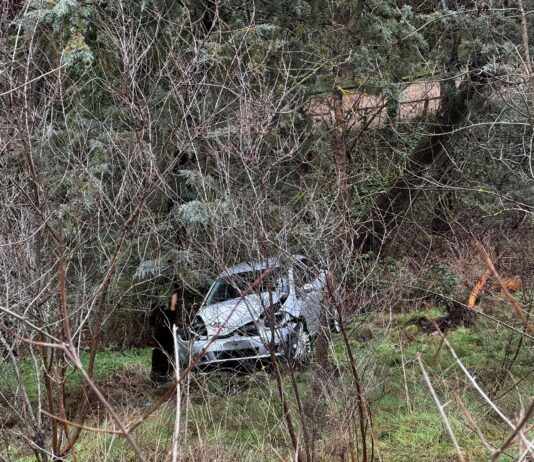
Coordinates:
[474,383]
[515,304]
[473,424]
[71,354]
[39,77]
[176,434]
[514,434]
[440,409]
[83,427]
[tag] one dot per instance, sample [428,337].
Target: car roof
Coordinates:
[271,262]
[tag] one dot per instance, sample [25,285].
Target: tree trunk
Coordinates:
[163,351]
[391,205]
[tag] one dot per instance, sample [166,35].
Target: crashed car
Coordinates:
[255,310]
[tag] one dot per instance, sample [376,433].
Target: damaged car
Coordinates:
[255,310]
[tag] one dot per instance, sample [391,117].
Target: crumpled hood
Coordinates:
[232,316]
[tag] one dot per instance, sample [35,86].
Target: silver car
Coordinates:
[251,320]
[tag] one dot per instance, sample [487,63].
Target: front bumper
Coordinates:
[235,348]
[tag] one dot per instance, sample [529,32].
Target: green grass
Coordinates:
[107,363]
[239,417]
[406,418]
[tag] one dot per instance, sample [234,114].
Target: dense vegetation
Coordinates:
[145,146]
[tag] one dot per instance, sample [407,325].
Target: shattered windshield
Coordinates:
[231,287]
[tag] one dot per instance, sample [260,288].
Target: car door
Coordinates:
[309,293]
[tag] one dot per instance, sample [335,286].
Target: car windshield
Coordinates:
[231,287]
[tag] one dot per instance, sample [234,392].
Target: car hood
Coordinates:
[232,314]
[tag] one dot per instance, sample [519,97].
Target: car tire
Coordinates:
[300,344]
[334,323]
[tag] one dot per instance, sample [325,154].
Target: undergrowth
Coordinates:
[235,416]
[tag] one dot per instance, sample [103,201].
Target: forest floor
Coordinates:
[229,416]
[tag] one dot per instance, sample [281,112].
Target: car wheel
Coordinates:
[334,323]
[300,343]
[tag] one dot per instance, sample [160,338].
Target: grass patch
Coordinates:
[107,364]
[228,416]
